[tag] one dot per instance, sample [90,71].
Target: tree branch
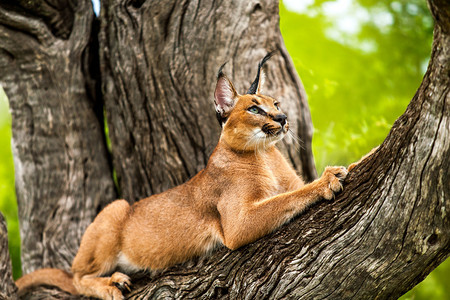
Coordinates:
[386,231]
[382,235]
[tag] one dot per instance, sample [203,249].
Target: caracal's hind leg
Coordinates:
[98,254]
[108,288]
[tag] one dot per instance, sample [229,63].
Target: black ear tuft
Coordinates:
[220,72]
[254,87]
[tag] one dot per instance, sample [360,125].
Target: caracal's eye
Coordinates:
[277,105]
[253,110]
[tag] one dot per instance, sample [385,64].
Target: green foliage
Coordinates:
[8,203]
[357,83]
[435,286]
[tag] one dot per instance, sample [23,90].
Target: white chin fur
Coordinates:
[260,140]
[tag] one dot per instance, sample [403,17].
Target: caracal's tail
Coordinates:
[54,277]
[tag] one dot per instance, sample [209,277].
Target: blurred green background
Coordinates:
[361,61]
[8,204]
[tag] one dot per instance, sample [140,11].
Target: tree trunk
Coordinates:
[63,177]
[8,289]
[159,60]
[387,230]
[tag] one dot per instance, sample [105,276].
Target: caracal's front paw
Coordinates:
[332,179]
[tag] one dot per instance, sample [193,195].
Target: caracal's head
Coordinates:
[250,122]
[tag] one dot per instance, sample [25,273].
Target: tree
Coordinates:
[382,235]
[7,286]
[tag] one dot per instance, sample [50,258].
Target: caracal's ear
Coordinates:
[225,96]
[256,87]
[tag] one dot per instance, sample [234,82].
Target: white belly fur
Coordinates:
[124,264]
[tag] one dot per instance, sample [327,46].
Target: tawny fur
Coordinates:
[246,191]
[56,277]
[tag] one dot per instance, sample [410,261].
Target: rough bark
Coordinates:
[8,289]
[159,60]
[63,177]
[387,230]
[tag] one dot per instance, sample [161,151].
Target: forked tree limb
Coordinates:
[388,229]
[153,74]
[383,234]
